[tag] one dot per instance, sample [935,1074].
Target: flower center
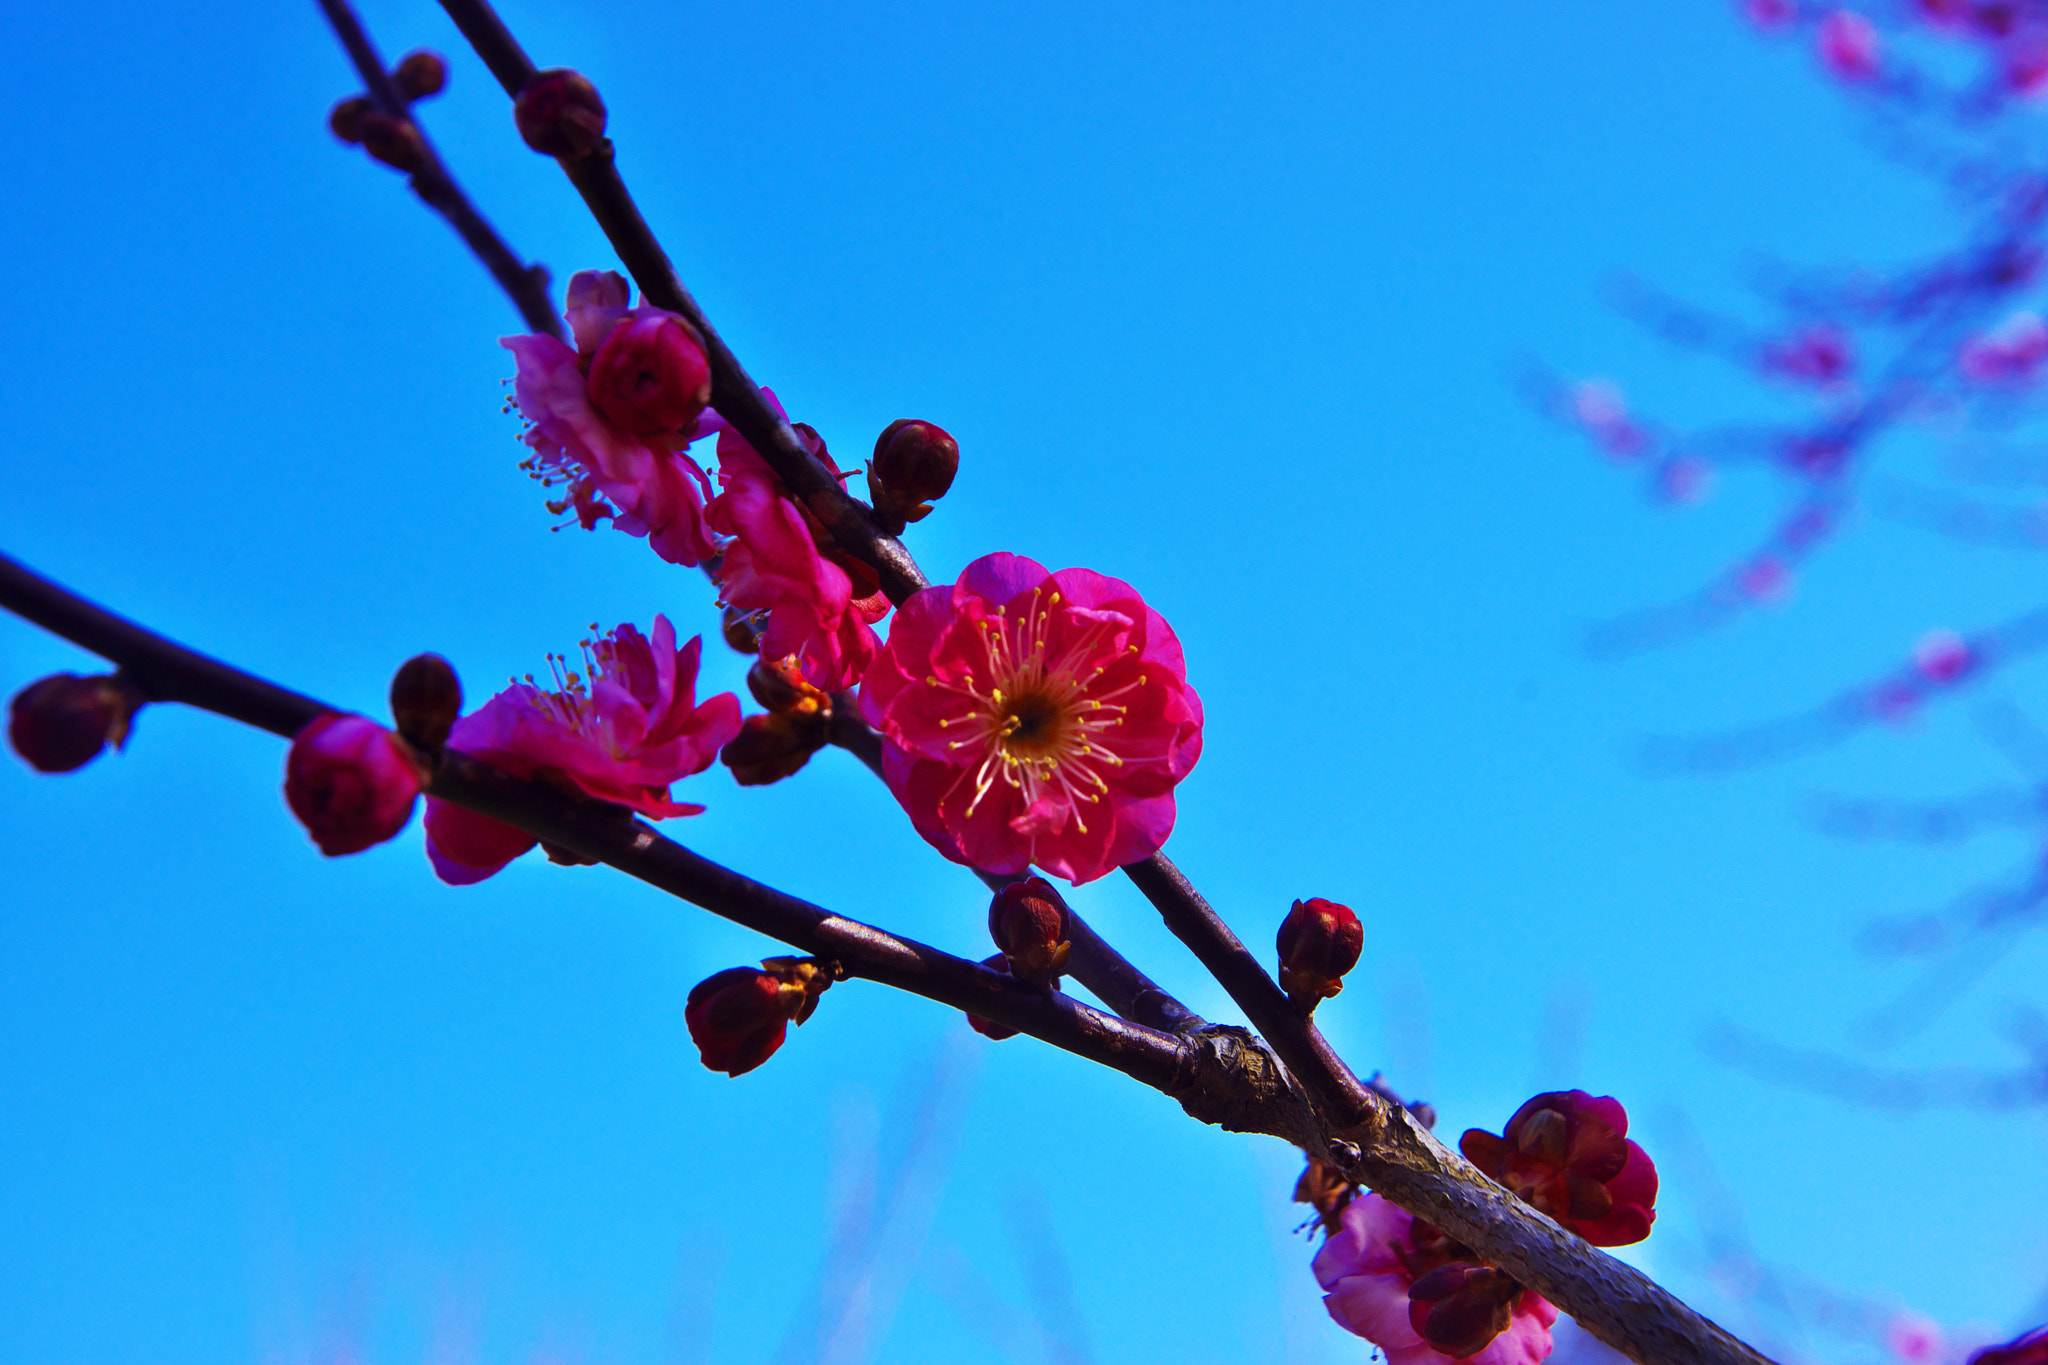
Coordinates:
[1033,726]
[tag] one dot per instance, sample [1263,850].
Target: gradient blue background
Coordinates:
[1225,303]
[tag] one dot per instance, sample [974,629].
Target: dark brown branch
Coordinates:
[526,285]
[733,392]
[1339,1093]
[1220,1074]
[165,670]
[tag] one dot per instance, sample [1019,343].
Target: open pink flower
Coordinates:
[1367,1267]
[1035,717]
[623,736]
[641,479]
[821,602]
[1567,1154]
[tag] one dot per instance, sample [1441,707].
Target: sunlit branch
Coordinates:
[734,393]
[526,285]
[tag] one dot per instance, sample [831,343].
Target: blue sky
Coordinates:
[1226,304]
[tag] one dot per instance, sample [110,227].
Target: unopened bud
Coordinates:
[989,1028]
[1028,921]
[739,1017]
[914,464]
[351,783]
[420,73]
[1460,1307]
[1319,941]
[61,723]
[393,141]
[772,747]
[650,375]
[426,697]
[345,119]
[560,114]
[779,685]
[742,629]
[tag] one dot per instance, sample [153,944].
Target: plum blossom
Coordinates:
[351,783]
[622,736]
[1035,717]
[2011,353]
[1368,1267]
[639,365]
[821,602]
[1849,47]
[1567,1154]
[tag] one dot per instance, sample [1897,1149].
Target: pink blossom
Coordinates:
[1849,46]
[1035,718]
[1367,1268]
[1942,656]
[644,482]
[623,736]
[2010,353]
[1819,354]
[821,602]
[1915,1340]
[1598,407]
[1769,13]
[1764,579]
[351,783]
[2025,66]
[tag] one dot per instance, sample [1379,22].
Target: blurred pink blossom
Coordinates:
[1848,45]
[2010,353]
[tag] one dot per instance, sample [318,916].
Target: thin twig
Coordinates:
[733,392]
[1343,1097]
[526,285]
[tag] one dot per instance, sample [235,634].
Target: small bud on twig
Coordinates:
[1028,921]
[63,721]
[345,119]
[1319,941]
[771,747]
[393,141]
[778,685]
[559,114]
[419,74]
[989,1028]
[739,1017]
[914,464]
[426,698]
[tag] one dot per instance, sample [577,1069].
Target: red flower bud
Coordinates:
[772,747]
[1459,1307]
[1319,941]
[393,141]
[62,722]
[2028,1349]
[420,73]
[738,1017]
[426,698]
[350,782]
[989,1028]
[914,464]
[345,119]
[560,114]
[778,685]
[1567,1154]
[649,375]
[1028,921]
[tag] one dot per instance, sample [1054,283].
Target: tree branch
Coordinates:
[1220,1074]
[526,285]
[733,392]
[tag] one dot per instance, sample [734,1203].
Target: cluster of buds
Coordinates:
[391,137]
[797,724]
[1319,942]
[914,465]
[739,1017]
[559,114]
[60,723]
[1567,1154]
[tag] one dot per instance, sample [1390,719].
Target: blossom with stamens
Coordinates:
[642,479]
[1378,1255]
[1034,717]
[622,734]
[821,602]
